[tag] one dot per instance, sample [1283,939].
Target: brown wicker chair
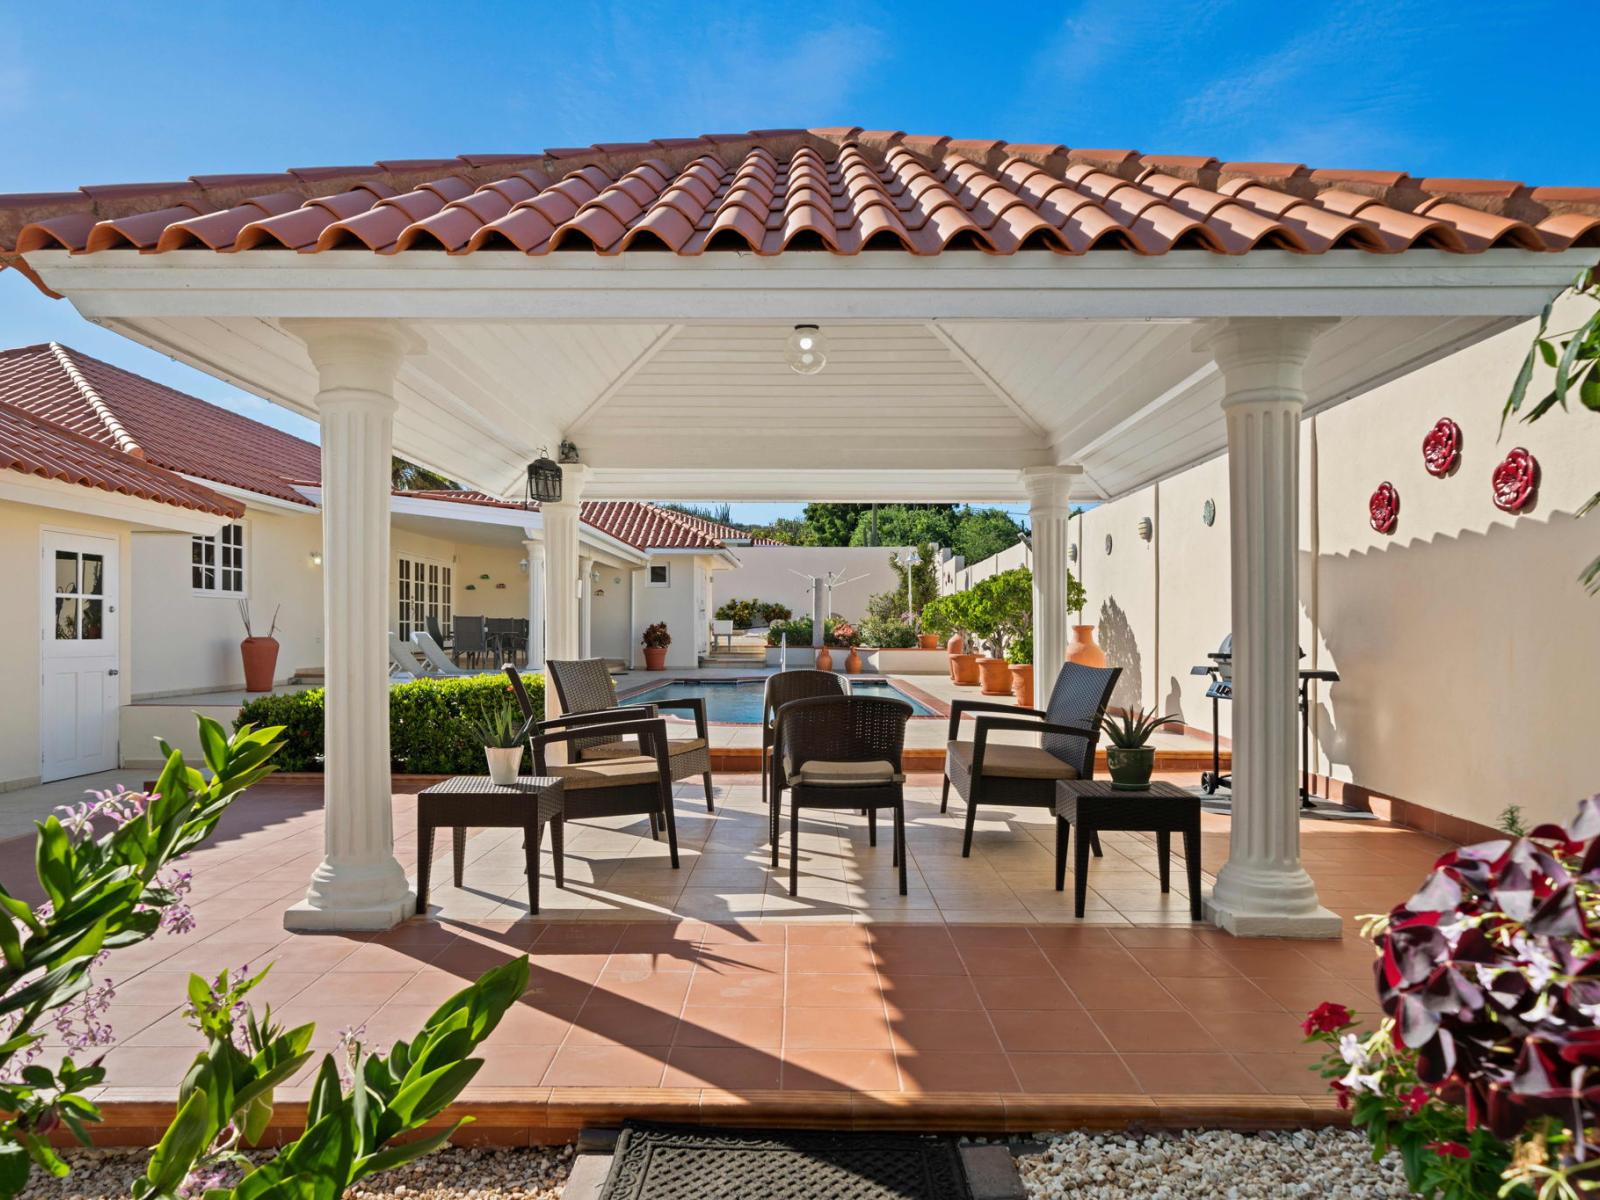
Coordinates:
[585,685]
[780,690]
[842,752]
[638,784]
[1014,776]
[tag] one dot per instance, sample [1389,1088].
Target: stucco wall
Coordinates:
[501,564]
[610,634]
[766,573]
[1120,592]
[675,605]
[20,532]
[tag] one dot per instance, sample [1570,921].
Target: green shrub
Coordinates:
[889,633]
[799,631]
[770,611]
[428,723]
[741,612]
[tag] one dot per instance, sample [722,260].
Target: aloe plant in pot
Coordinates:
[1130,756]
[503,733]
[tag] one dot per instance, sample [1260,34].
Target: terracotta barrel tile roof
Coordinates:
[843,190]
[35,446]
[649,527]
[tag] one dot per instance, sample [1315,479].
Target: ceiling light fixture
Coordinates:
[805,351]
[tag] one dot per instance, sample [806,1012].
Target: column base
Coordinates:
[356,897]
[306,917]
[1318,923]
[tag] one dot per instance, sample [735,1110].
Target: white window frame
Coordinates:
[220,547]
[412,609]
[650,571]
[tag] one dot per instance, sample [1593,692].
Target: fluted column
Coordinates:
[585,607]
[1047,514]
[561,568]
[535,555]
[359,884]
[1263,889]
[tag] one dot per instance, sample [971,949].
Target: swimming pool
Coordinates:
[738,701]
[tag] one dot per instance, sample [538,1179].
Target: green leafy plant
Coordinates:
[941,615]
[1575,356]
[359,1108]
[1133,728]
[656,637]
[501,728]
[889,633]
[798,631]
[771,610]
[1019,651]
[1510,821]
[103,892]
[741,612]
[428,734]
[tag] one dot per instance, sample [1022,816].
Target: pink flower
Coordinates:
[1414,1100]
[1326,1017]
[1449,1149]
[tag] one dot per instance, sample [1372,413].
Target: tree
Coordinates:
[1576,359]
[980,533]
[787,530]
[408,477]
[833,524]
[907,525]
[718,514]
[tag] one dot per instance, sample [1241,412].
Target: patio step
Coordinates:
[734,658]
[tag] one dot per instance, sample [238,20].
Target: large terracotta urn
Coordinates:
[260,656]
[1081,648]
[852,662]
[824,660]
[955,645]
[964,669]
[994,676]
[927,641]
[1022,683]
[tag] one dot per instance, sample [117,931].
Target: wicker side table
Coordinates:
[1093,805]
[465,802]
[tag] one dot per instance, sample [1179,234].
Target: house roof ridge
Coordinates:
[120,436]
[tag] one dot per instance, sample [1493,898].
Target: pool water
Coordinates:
[738,701]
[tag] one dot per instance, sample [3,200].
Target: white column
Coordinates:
[359,884]
[535,555]
[1263,890]
[561,567]
[585,607]
[1047,513]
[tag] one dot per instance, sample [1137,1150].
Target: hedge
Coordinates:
[427,733]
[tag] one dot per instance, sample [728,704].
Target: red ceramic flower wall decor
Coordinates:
[1384,507]
[1516,480]
[1442,447]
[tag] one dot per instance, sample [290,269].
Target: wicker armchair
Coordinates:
[637,784]
[585,685]
[1016,776]
[842,752]
[780,690]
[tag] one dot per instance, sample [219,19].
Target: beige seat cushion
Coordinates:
[818,773]
[606,773]
[1004,760]
[630,748]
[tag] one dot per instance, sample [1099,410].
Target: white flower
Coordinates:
[1353,1052]
[1357,1082]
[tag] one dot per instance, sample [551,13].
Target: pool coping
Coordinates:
[941,708]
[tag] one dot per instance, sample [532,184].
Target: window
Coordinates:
[660,575]
[79,596]
[422,590]
[216,562]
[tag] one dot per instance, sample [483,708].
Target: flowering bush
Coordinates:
[844,634]
[656,637]
[1489,980]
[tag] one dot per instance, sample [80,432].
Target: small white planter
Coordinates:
[504,763]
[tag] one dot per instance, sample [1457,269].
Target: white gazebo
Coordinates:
[1000,323]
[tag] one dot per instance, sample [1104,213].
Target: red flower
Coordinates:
[1341,1094]
[1326,1017]
[1414,1100]
[1449,1149]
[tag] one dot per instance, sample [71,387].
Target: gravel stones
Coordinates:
[1211,1164]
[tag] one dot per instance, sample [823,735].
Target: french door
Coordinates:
[423,590]
[78,655]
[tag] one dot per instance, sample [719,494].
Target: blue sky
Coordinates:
[119,93]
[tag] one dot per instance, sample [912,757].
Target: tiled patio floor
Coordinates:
[978,989]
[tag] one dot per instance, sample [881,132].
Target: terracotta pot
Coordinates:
[994,674]
[927,641]
[824,660]
[964,669]
[1022,683]
[852,662]
[1081,648]
[955,645]
[260,656]
[504,764]
[655,658]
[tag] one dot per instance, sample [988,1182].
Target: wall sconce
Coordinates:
[1147,529]
[1072,552]
[316,558]
[522,565]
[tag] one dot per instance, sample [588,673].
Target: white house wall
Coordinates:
[611,635]
[768,573]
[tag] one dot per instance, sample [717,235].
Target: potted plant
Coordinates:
[503,734]
[845,635]
[1130,756]
[1081,647]
[655,641]
[1020,655]
[260,654]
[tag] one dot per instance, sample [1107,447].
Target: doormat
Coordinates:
[687,1162]
[1320,810]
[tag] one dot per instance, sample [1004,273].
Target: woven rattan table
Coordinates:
[465,802]
[1093,805]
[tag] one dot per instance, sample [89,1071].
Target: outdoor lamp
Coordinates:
[544,481]
[316,558]
[804,351]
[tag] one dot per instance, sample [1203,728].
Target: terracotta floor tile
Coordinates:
[1191,1074]
[1074,963]
[839,1070]
[924,1032]
[1153,1031]
[514,1066]
[365,987]
[828,935]
[1155,939]
[1024,1031]
[956,1071]
[1300,996]
[1113,994]
[1285,1074]
[991,937]
[1084,1074]
[831,960]
[606,1066]
[757,958]
[835,991]
[730,1026]
[621,1022]
[736,1068]
[744,989]
[900,960]
[1224,995]
[835,1029]
[1240,1032]
[919,993]
[1010,991]
[663,990]
[1188,963]
[1006,960]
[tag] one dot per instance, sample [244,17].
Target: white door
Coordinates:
[78,659]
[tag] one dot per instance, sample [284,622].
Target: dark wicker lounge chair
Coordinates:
[780,690]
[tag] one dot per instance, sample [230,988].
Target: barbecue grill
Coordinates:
[1220,669]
